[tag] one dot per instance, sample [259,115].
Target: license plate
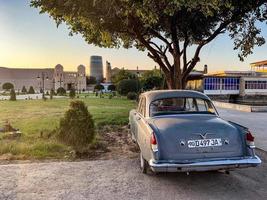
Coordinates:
[205,143]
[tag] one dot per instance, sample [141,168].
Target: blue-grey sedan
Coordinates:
[181,131]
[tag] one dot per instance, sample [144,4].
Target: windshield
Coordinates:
[179,105]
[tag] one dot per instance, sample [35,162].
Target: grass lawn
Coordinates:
[37,116]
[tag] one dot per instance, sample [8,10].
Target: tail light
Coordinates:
[153,142]
[250,139]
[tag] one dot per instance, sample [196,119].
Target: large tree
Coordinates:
[165,28]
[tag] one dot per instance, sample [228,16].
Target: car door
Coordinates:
[142,130]
[133,120]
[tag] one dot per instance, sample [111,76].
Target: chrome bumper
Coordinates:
[205,165]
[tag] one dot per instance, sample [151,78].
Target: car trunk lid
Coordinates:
[177,135]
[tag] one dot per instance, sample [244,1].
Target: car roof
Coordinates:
[162,94]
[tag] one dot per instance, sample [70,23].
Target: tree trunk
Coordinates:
[175,81]
[174,78]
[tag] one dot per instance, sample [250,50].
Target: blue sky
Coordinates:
[28,39]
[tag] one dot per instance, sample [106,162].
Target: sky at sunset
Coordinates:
[28,39]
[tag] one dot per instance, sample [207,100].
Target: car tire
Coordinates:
[143,164]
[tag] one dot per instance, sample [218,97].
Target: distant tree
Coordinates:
[153,82]
[90,80]
[24,90]
[51,94]
[152,79]
[41,91]
[112,88]
[72,93]
[128,85]
[61,91]
[122,75]
[166,29]
[132,95]
[7,86]
[12,95]
[99,87]
[52,91]
[31,90]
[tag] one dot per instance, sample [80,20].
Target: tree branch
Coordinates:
[174,36]
[159,36]
[184,51]
[153,52]
[196,59]
[162,53]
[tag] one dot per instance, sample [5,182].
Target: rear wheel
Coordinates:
[143,164]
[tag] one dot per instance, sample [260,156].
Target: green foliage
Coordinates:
[152,80]
[12,95]
[112,88]
[128,85]
[90,80]
[51,94]
[72,93]
[96,21]
[61,91]
[166,29]
[7,86]
[98,87]
[121,75]
[77,128]
[24,90]
[31,90]
[132,95]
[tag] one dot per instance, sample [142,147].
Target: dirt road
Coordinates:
[121,179]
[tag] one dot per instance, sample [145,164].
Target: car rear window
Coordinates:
[180,105]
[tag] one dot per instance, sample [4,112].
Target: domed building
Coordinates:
[54,78]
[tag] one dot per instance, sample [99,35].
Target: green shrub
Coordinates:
[24,90]
[90,80]
[13,95]
[99,87]
[52,93]
[132,96]
[31,90]
[111,87]
[72,93]
[61,91]
[8,86]
[77,127]
[129,85]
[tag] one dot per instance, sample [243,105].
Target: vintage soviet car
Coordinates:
[181,131]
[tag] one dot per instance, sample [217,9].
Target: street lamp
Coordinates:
[43,77]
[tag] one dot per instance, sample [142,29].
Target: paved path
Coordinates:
[255,121]
[122,180]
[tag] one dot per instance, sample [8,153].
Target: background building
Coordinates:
[108,72]
[96,68]
[54,78]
